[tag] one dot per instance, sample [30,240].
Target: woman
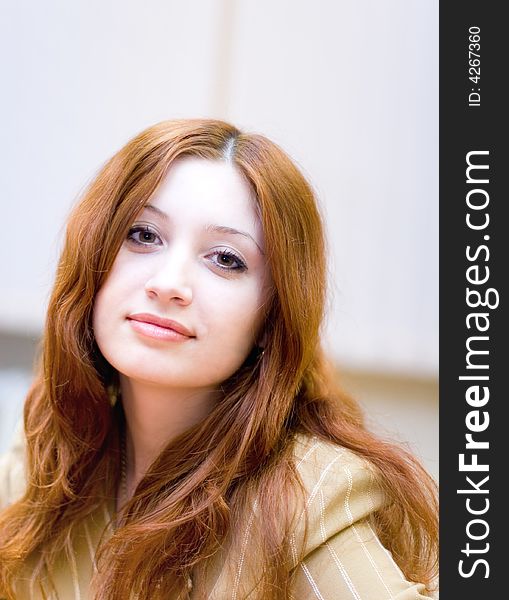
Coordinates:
[184,436]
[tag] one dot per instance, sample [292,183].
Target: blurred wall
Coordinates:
[348,88]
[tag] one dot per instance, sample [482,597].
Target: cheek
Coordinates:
[114,291]
[99,320]
[107,303]
[238,317]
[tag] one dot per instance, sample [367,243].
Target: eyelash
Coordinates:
[144,229]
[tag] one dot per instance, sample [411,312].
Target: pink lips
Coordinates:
[160,328]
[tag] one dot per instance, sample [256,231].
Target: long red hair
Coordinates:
[188,502]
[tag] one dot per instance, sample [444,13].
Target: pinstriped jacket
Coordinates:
[343,558]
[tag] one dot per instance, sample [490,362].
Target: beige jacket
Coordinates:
[343,557]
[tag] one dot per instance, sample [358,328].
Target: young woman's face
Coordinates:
[194,255]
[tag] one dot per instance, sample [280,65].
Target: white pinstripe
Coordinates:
[343,572]
[318,484]
[293,548]
[308,453]
[377,540]
[347,497]
[249,525]
[360,531]
[322,517]
[332,552]
[372,561]
[312,582]
[389,555]
[243,551]
[359,539]
[312,496]
[304,568]
[310,500]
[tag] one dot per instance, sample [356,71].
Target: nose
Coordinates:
[170,280]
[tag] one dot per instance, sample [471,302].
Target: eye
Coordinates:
[142,235]
[229,261]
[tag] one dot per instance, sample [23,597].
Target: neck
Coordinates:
[154,417]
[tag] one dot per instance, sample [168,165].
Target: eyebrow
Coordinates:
[209,228]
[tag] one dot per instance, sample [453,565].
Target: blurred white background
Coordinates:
[348,88]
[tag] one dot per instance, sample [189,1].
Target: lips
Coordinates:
[161,322]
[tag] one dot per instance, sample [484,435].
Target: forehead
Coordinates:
[208,191]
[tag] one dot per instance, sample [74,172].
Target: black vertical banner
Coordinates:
[474,251]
